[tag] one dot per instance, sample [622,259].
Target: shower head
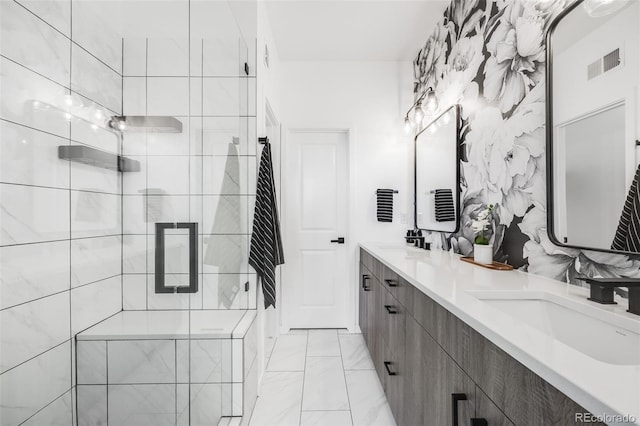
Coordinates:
[145,123]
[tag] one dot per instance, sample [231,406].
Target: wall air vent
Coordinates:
[604,64]
[611,60]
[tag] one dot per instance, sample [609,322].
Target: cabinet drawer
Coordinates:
[366,259]
[431,380]
[523,396]
[364,287]
[486,409]
[391,367]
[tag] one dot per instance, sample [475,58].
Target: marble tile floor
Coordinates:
[321,378]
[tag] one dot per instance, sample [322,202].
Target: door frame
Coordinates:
[352,301]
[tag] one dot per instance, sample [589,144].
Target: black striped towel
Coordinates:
[627,236]
[385,205]
[444,208]
[266,243]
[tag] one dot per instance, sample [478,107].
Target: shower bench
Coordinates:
[160,368]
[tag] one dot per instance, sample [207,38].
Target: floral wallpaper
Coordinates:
[489,56]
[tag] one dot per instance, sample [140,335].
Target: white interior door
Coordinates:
[316,281]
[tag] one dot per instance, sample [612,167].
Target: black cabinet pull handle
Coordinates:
[391,283]
[387,365]
[365,279]
[340,240]
[455,398]
[479,422]
[391,309]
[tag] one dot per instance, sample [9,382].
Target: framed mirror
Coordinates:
[437,174]
[592,131]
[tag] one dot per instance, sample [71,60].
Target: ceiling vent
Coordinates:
[604,64]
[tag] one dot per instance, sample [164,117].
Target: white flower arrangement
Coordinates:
[480,224]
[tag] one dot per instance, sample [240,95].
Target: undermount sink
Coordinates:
[595,332]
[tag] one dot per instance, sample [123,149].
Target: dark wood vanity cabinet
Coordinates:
[432,381]
[429,362]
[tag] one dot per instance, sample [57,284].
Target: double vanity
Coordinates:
[458,344]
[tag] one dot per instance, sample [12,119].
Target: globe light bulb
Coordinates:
[418,115]
[431,102]
[408,126]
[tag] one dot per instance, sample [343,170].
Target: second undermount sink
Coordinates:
[597,333]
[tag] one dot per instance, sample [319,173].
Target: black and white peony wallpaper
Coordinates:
[489,56]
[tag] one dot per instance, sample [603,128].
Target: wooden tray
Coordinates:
[495,265]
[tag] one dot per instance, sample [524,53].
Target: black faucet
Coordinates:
[417,239]
[602,291]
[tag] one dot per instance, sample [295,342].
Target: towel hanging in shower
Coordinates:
[385,204]
[627,236]
[266,242]
[444,208]
[228,257]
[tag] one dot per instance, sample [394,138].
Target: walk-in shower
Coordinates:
[127,185]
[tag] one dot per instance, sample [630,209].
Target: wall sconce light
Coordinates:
[118,123]
[408,126]
[419,111]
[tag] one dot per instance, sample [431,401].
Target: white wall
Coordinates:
[369,99]
[267,90]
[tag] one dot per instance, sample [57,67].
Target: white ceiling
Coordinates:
[358,30]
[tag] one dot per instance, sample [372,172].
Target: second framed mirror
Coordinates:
[437,174]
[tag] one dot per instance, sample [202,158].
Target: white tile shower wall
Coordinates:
[205,174]
[60,242]
[49,374]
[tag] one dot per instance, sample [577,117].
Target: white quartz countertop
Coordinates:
[603,388]
[181,324]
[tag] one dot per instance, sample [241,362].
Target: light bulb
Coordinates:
[431,103]
[122,125]
[407,125]
[418,115]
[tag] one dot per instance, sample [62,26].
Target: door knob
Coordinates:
[340,240]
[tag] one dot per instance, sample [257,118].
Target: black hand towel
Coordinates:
[445,210]
[385,205]
[627,236]
[266,243]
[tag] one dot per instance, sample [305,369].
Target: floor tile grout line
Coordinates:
[270,354]
[304,375]
[344,375]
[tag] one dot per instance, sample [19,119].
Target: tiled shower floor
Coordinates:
[323,378]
